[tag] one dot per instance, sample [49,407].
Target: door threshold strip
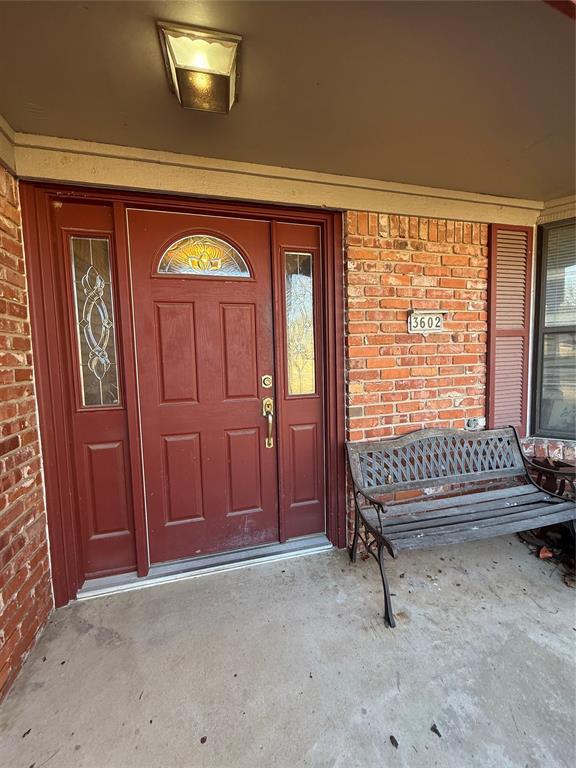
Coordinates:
[168,573]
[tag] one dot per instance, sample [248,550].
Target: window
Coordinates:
[555,390]
[94,308]
[298,275]
[203,255]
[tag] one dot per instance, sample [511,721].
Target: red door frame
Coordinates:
[52,384]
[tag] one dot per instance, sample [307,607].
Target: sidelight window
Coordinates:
[95,323]
[299,294]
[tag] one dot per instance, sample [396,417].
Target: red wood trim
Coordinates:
[51,388]
[127,351]
[279,373]
[491,346]
[50,358]
[335,383]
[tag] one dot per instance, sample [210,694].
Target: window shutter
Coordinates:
[509,325]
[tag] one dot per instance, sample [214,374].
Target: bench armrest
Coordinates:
[555,473]
[376,504]
[371,499]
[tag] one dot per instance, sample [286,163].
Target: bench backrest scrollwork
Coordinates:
[431,457]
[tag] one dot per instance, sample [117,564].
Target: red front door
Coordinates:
[169,330]
[203,313]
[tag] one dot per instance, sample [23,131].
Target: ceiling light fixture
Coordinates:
[201,66]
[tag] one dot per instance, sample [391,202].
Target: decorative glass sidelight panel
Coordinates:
[203,255]
[300,323]
[95,321]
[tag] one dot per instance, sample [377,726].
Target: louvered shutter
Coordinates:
[509,325]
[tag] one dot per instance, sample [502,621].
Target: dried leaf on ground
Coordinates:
[544,553]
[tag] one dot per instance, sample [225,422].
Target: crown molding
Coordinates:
[72,161]
[559,209]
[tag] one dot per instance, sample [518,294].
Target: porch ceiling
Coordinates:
[477,97]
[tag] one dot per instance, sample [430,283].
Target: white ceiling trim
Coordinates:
[89,163]
[558,210]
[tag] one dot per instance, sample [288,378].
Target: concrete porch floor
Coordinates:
[288,664]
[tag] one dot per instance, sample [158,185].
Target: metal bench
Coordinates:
[434,487]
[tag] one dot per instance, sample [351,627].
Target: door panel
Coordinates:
[85,274]
[301,396]
[176,333]
[203,344]
[239,348]
[244,473]
[182,470]
[303,459]
[108,510]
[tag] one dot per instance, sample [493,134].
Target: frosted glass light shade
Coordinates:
[201,66]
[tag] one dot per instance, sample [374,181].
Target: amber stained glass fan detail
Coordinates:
[203,255]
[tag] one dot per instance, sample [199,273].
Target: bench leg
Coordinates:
[354,547]
[388,614]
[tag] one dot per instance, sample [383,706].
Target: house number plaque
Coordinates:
[425,322]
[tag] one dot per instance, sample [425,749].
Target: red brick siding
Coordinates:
[397,381]
[541,447]
[25,589]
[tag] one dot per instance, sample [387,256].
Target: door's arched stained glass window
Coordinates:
[203,255]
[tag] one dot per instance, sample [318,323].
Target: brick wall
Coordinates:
[555,449]
[397,381]
[25,589]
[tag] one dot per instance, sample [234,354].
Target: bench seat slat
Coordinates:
[461,513]
[399,528]
[419,529]
[463,497]
[447,536]
[527,513]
